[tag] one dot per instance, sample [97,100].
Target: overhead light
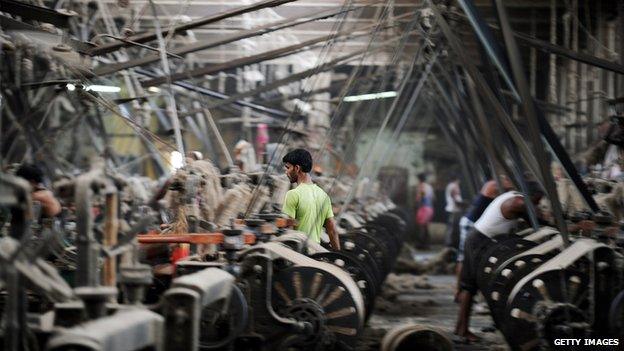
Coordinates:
[176,160]
[153,89]
[103,88]
[382,95]
[70,87]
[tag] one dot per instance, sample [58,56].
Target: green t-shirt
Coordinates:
[310,206]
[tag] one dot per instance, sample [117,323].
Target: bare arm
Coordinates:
[50,206]
[513,208]
[516,208]
[456,194]
[330,227]
[490,189]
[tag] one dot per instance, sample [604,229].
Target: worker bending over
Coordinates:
[499,218]
[488,193]
[308,203]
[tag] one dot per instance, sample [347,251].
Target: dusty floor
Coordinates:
[427,300]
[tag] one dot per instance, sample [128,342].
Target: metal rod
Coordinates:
[214,94]
[489,43]
[111,226]
[226,39]
[453,139]
[264,56]
[295,77]
[530,115]
[173,110]
[143,38]
[37,13]
[571,54]
[487,92]
[215,131]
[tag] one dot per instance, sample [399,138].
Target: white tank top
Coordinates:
[451,205]
[492,223]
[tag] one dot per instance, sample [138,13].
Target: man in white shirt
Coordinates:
[454,207]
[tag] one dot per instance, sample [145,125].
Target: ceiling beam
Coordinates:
[297,76]
[268,55]
[37,13]
[226,39]
[217,95]
[146,37]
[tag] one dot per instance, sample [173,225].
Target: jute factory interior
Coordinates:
[263,175]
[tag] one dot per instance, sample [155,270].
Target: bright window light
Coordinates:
[176,160]
[70,87]
[153,89]
[103,88]
[382,95]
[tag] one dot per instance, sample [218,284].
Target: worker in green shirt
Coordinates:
[307,203]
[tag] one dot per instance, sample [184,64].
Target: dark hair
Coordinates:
[422,176]
[30,172]
[301,158]
[534,188]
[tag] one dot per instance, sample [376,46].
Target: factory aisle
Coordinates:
[426,300]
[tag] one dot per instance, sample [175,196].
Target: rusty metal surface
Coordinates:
[578,249]
[281,251]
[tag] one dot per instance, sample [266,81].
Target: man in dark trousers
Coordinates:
[488,193]
[308,203]
[499,218]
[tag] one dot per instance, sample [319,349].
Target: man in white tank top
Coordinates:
[499,218]
[454,210]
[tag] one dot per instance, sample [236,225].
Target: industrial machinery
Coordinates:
[255,286]
[290,293]
[539,290]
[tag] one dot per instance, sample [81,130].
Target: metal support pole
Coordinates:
[532,121]
[88,248]
[173,111]
[111,227]
[533,55]
[488,93]
[217,134]
[552,62]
